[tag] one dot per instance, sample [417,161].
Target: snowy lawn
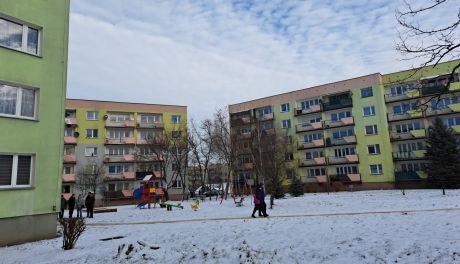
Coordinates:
[399,237]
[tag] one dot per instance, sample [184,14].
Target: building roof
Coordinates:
[124,106]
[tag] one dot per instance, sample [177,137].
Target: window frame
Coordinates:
[19,88]
[286,123]
[92,133]
[371,111]
[376,147]
[176,119]
[379,169]
[14,171]
[287,107]
[375,130]
[91,119]
[367,89]
[25,35]
[94,152]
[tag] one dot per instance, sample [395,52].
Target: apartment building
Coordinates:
[109,139]
[33,76]
[362,133]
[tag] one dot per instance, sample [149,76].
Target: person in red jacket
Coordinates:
[256,206]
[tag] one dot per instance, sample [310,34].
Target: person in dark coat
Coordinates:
[63,205]
[89,203]
[261,196]
[256,206]
[71,204]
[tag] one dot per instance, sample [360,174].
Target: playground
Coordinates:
[421,226]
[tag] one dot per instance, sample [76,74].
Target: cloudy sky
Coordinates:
[208,54]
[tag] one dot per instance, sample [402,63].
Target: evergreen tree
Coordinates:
[296,188]
[443,153]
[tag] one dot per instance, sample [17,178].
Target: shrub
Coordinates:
[72,229]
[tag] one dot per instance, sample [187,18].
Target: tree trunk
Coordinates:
[272,201]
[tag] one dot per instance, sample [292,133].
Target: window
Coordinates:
[70,113]
[68,169]
[373,149]
[314,154]
[290,174]
[69,132]
[176,134]
[151,119]
[92,115]
[288,140]
[453,121]
[444,102]
[19,36]
[266,126]
[416,166]
[342,133]
[369,111]
[119,117]
[17,102]
[285,107]
[401,89]
[118,151]
[246,130]
[371,130]
[119,133]
[376,169]
[16,170]
[176,184]
[176,119]
[340,115]
[91,133]
[308,103]
[286,123]
[117,169]
[366,92]
[344,152]
[404,128]
[264,111]
[288,156]
[311,137]
[346,170]
[316,172]
[91,151]
[149,134]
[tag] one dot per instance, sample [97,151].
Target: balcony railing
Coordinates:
[342,103]
[345,178]
[450,109]
[409,94]
[125,140]
[119,158]
[310,144]
[70,140]
[70,158]
[238,121]
[408,155]
[407,176]
[159,125]
[309,127]
[405,115]
[312,109]
[418,133]
[341,141]
[433,89]
[71,121]
[68,178]
[265,117]
[151,141]
[126,123]
[312,162]
[347,121]
[342,160]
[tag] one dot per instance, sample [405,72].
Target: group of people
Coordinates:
[259,202]
[78,203]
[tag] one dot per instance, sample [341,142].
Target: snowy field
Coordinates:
[359,227]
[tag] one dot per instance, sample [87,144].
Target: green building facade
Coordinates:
[33,76]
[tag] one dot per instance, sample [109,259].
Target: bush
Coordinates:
[296,188]
[72,229]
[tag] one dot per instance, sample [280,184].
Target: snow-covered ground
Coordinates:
[297,231]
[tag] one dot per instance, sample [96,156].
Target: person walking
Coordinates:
[261,195]
[89,203]
[71,204]
[80,202]
[63,205]
[256,206]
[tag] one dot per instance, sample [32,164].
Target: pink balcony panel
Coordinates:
[70,158]
[158,174]
[354,177]
[128,157]
[315,108]
[71,121]
[350,139]
[317,125]
[347,120]
[128,140]
[68,178]
[66,195]
[320,160]
[318,142]
[321,178]
[129,175]
[352,158]
[70,140]
[127,193]
[129,123]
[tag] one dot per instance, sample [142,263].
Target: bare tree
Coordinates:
[430,44]
[89,177]
[180,154]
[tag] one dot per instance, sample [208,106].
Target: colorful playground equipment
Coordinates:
[149,193]
[195,206]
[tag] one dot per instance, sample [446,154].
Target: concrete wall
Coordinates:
[16,230]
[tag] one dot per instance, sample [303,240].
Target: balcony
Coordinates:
[68,178]
[409,155]
[450,109]
[413,134]
[239,121]
[343,160]
[345,178]
[70,158]
[159,125]
[70,140]
[150,141]
[312,162]
[116,141]
[454,87]
[265,117]
[406,115]
[348,140]
[128,175]
[70,121]
[269,132]
[126,123]
[308,127]
[310,144]
[410,175]
[119,158]
[247,166]
[347,121]
[312,109]
[245,136]
[409,94]
[432,89]
[342,103]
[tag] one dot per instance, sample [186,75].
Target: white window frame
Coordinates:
[19,101]
[92,133]
[71,169]
[96,116]
[374,130]
[371,110]
[150,118]
[25,35]
[288,108]
[286,123]
[90,151]
[378,167]
[14,172]
[375,148]
[176,119]
[124,168]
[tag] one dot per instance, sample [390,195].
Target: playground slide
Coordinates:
[137,193]
[141,205]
